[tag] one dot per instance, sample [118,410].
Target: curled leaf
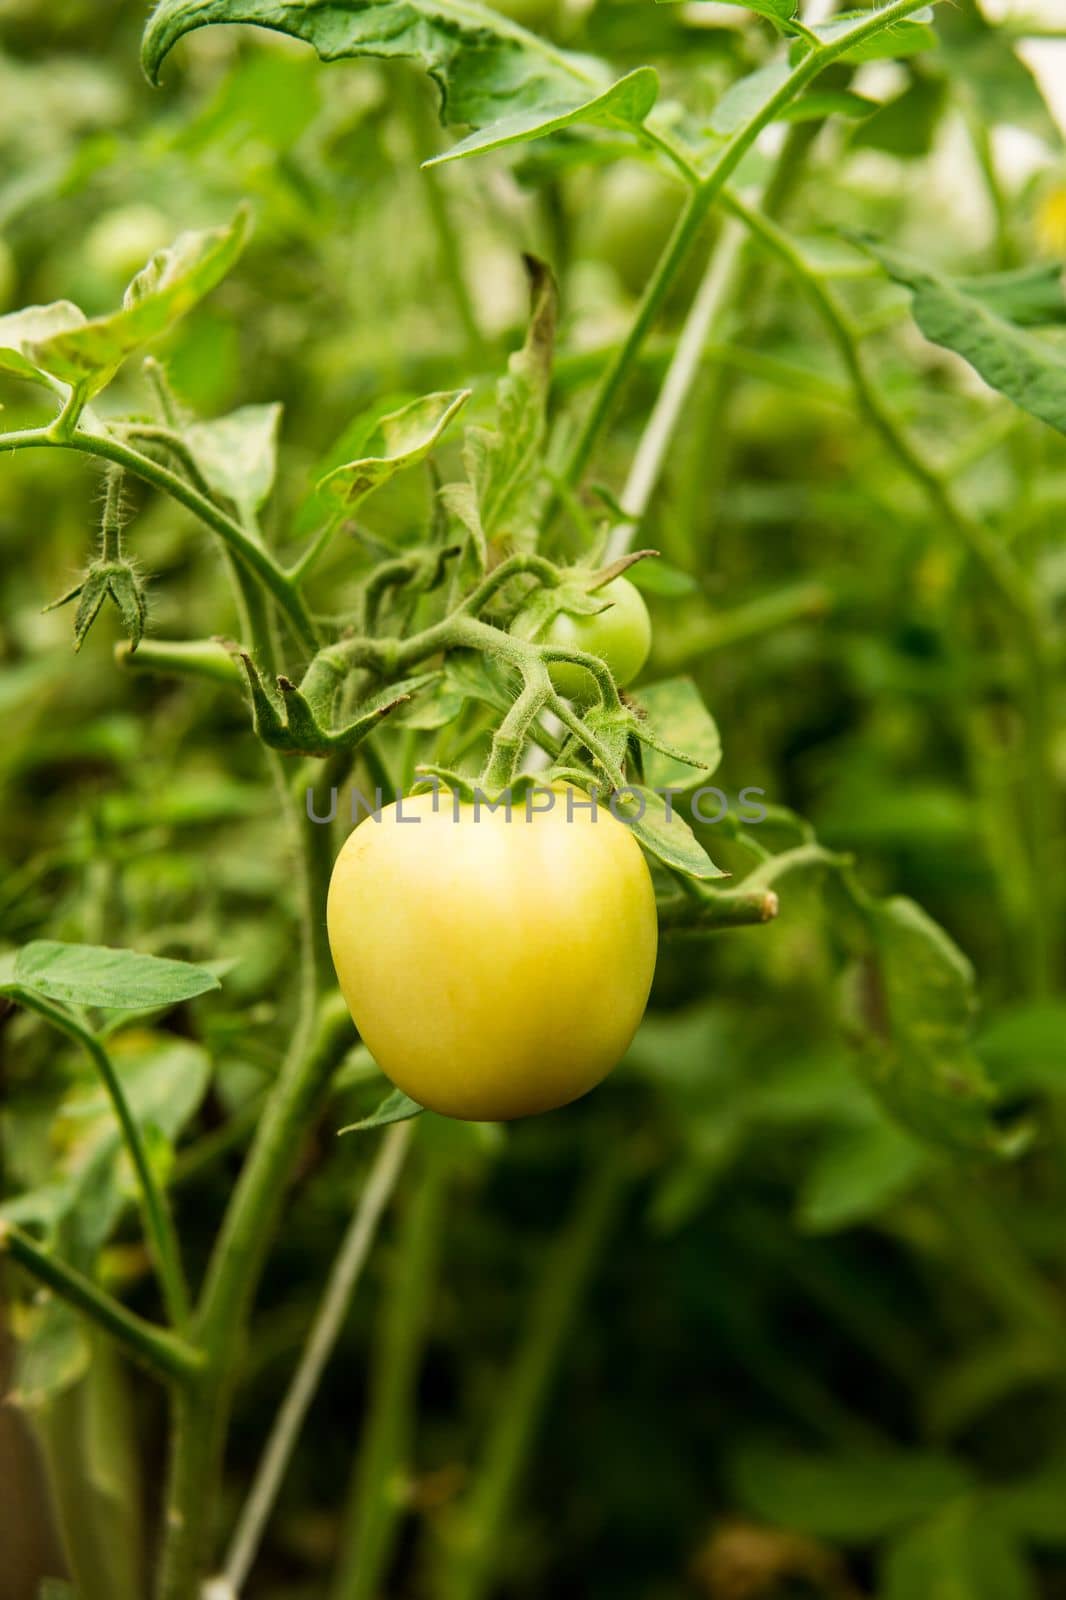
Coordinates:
[403,439]
[59,341]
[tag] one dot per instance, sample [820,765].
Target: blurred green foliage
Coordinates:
[814,1357]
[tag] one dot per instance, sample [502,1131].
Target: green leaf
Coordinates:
[96,975]
[772,10]
[829,103]
[852,1498]
[747,96]
[624,105]
[88,354]
[677,716]
[1033,296]
[398,1107]
[238,454]
[961,1554]
[435,707]
[660,577]
[400,440]
[1028,370]
[983,64]
[1034,1506]
[906,125]
[912,1003]
[1022,1048]
[89,1442]
[856,1174]
[488,69]
[471,676]
[665,833]
[164,1080]
[54,1354]
[24,330]
[892,42]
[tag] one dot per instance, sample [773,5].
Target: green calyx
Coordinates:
[117,581]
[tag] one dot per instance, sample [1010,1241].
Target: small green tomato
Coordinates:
[620,636]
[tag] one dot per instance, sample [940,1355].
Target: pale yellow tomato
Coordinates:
[494,967]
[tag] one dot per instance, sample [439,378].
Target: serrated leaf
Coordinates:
[398,1107]
[400,440]
[624,105]
[1028,370]
[665,834]
[677,716]
[238,454]
[88,353]
[96,975]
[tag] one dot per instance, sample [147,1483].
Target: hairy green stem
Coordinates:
[246,548]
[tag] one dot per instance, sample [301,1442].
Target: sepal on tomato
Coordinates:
[292,723]
[114,580]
